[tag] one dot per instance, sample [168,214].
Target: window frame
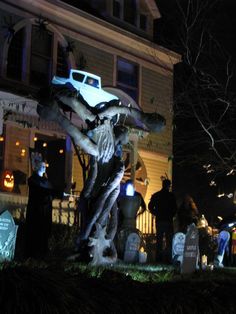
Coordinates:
[139,13]
[130,87]
[57,39]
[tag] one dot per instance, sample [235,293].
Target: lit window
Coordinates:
[56,167]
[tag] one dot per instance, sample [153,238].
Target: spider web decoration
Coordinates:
[42,24]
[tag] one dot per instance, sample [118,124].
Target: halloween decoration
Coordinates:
[102,140]
[42,24]
[7,181]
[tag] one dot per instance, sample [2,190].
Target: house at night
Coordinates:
[112,39]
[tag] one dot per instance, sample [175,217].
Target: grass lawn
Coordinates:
[60,286]
[70,287]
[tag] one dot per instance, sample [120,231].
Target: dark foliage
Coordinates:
[35,288]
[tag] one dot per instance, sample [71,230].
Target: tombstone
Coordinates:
[178,248]
[8,231]
[191,250]
[131,254]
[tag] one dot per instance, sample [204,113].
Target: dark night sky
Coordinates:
[222,18]
[222,25]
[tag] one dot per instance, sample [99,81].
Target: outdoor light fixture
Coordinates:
[61,151]
[45,144]
[35,138]
[17,143]
[22,152]
[221,195]
[1,139]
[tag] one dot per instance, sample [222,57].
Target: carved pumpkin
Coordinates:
[7,181]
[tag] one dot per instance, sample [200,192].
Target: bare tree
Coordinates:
[204,102]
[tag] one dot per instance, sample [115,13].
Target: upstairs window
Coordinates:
[15,55]
[130,11]
[127,77]
[116,9]
[143,22]
[62,66]
[41,56]
[35,56]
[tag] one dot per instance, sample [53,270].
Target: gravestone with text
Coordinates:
[8,232]
[191,250]
[132,247]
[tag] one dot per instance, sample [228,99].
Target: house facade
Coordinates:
[112,39]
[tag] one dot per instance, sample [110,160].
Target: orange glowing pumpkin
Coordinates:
[7,181]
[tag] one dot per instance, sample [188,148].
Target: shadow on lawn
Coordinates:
[61,287]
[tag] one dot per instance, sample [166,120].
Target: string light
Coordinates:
[35,138]
[212,183]
[45,144]
[210,170]
[206,166]
[230,172]
[61,151]
[221,195]
[17,143]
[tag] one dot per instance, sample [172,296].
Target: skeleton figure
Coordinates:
[103,142]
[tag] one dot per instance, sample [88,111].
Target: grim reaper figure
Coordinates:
[102,140]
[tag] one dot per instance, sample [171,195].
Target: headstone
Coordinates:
[178,247]
[191,250]
[132,246]
[8,231]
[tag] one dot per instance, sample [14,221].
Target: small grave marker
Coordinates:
[191,250]
[8,232]
[132,246]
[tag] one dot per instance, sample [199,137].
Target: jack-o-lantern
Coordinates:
[7,181]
